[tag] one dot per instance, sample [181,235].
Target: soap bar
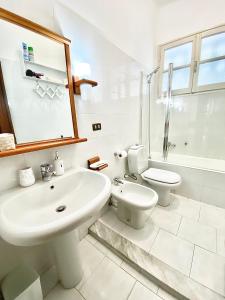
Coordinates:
[98,164]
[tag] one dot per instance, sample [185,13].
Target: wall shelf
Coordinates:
[45,80]
[43,66]
[25,66]
[78,83]
[24,148]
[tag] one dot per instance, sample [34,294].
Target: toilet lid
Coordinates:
[162,175]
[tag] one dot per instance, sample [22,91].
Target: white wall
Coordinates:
[130,24]
[114,103]
[183,17]
[40,11]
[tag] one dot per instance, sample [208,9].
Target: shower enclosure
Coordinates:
[187,107]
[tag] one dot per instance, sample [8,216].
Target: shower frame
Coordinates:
[167,113]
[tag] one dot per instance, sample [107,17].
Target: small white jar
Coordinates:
[26,177]
[7,141]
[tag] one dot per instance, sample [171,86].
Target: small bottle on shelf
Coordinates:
[25,52]
[31,54]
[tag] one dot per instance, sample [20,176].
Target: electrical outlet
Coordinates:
[96,126]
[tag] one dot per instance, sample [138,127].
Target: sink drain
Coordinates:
[60,208]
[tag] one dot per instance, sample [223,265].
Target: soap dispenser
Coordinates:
[58,165]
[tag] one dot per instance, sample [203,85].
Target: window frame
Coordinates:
[171,45]
[198,61]
[193,86]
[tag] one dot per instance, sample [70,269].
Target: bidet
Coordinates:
[134,203]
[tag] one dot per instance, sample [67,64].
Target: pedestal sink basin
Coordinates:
[50,211]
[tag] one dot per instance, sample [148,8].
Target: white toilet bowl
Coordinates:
[134,203]
[162,182]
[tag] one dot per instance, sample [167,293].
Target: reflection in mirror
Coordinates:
[33,95]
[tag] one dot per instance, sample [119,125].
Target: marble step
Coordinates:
[175,282]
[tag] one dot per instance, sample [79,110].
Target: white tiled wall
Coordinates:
[197,120]
[114,103]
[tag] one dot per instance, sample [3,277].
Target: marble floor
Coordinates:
[108,277]
[188,237]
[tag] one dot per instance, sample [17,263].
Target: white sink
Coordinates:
[30,216]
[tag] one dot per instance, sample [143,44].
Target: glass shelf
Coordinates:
[43,66]
[45,80]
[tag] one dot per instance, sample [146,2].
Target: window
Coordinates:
[198,62]
[180,55]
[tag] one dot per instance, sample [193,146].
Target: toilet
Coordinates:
[162,181]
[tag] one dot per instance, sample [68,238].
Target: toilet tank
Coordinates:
[137,159]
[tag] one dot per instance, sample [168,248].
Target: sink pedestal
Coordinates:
[67,259]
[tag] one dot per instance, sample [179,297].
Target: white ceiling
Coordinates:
[164,2]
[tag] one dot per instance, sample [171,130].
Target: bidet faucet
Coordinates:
[117,181]
[47,172]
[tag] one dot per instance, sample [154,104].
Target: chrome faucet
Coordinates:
[46,172]
[171,146]
[117,181]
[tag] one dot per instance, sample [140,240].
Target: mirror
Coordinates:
[34,78]
[36,86]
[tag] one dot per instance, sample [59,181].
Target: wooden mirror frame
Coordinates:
[40,145]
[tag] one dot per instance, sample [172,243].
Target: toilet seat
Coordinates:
[161,176]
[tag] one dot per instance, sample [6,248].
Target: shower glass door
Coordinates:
[196,131]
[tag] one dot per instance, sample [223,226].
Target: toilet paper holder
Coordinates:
[120,154]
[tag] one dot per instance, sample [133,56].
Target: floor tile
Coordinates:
[165,296]
[141,292]
[139,276]
[90,239]
[109,253]
[200,292]
[110,219]
[209,270]
[221,242]
[144,237]
[91,258]
[48,280]
[59,293]
[165,219]
[198,234]
[185,285]
[173,251]
[185,207]
[108,282]
[212,216]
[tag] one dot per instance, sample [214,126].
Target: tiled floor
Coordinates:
[189,236]
[209,269]
[106,277]
[173,251]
